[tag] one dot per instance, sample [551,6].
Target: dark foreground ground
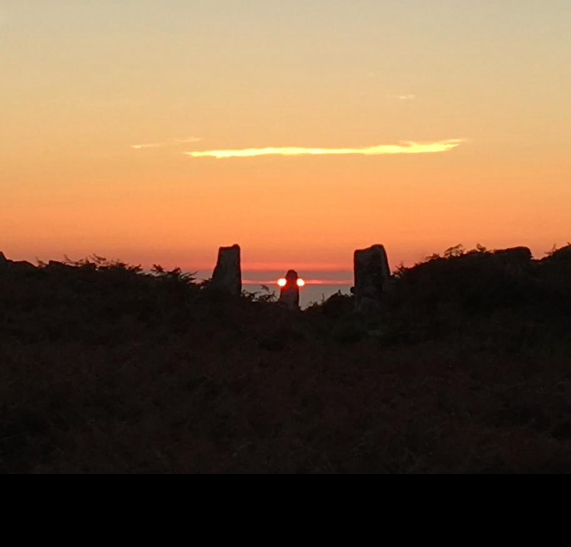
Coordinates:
[467,369]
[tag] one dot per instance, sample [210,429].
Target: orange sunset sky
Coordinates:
[156,131]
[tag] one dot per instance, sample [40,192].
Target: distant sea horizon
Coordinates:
[320,285]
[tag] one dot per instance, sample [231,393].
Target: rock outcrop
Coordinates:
[227,276]
[16,267]
[563,254]
[520,255]
[372,272]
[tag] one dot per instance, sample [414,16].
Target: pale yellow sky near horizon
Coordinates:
[102,102]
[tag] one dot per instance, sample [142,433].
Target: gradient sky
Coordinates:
[101,102]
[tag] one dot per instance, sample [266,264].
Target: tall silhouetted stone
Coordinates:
[372,272]
[3,259]
[227,276]
[290,291]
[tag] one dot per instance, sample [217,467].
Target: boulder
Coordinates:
[519,255]
[23,267]
[17,267]
[561,254]
[59,267]
[372,273]
[227,276]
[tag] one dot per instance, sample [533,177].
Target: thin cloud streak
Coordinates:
[143,146]
[382,150]
[170,142]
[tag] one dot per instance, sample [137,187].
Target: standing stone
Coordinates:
[3,259]
[372,272]
[290,291]
[227,276]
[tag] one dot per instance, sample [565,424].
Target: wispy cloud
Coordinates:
[382,150]
[170,142]
[143,146]
[404,97]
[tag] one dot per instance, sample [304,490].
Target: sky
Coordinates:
[155,132]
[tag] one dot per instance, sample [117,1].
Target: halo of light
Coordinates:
[282,283]
[301,283]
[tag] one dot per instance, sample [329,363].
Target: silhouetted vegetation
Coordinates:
[105,368]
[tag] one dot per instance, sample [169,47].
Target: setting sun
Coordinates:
[300,283]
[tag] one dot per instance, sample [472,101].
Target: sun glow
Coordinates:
[300,283]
